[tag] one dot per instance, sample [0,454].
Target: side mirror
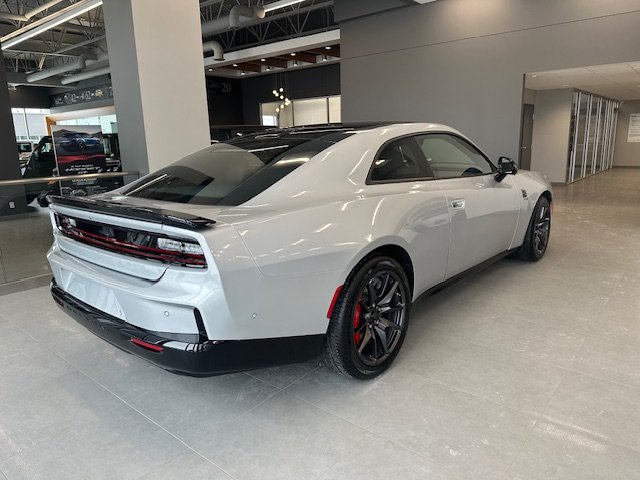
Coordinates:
[505,167]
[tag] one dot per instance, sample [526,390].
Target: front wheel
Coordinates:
[369,320]
[537,237]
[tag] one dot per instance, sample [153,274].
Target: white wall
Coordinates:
[157,71]
[461,62]
[626,154]
[551,129]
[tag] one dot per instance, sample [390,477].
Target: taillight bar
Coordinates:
[176,251]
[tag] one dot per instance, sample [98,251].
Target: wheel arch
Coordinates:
[394,250]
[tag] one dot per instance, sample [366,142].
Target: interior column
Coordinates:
[157,72]
[12,199]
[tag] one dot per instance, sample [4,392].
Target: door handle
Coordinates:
[458,204]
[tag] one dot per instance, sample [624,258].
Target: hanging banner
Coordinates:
[633,135]
[79,150]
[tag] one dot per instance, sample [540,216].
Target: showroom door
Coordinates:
[483,212]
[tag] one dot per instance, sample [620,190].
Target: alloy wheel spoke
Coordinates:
[379,332]
[390,309]
[367,338]
[386,323]
[387,298]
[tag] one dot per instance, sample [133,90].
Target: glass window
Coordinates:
[312,111]
[234,172]
[449,156]
[399,160]
[335,109]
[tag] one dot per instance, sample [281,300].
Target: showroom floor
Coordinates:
[526,371]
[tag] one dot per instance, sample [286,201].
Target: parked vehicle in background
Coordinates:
[24,152]
[278,246]
[222,133]
[42,163]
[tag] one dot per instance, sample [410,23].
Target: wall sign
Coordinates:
[633,135]
[84,95]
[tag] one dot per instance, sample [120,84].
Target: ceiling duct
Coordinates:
[215,47]
[238,16]
[31,13]
[79,64]
[87,74]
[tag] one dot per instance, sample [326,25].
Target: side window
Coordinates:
[449,156]
[399,160]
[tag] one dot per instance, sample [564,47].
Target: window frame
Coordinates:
[494,169]
[369,179]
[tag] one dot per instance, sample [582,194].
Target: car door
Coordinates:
[412,204]
[484,213]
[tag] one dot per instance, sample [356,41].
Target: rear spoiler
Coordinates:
[155,215]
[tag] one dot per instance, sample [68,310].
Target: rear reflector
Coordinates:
[333,301]
[147,345]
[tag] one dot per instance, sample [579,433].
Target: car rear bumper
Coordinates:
[204,358]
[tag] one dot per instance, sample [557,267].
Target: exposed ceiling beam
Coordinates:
[316,40]
[301,56]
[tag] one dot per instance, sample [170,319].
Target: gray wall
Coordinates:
[29,97]
[626,154]
[551,129]
[461,62]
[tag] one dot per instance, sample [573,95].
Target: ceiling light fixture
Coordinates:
[327,48]
[293,54]
[80,8]
[263,59]
[270,7]
[235,64]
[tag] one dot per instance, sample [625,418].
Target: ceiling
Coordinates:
[620,81]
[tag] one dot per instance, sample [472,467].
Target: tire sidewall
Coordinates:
[344,313]
[534,254]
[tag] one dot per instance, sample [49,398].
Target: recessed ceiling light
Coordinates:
[534,76]
[263,59]
[293,54]
[210,69]
[243,73]
[235,64]
[327,48]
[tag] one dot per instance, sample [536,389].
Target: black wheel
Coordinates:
[369,320]
[537,238]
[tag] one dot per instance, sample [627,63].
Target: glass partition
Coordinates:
[303,111]
[592,135]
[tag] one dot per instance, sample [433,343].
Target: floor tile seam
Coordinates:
[377,435]
[516,354]
[531,415]
[629,343]
[602,379]
[520,355]
[249,373]
[152,421]
[591,434]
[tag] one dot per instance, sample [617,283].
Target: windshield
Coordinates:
[234,172]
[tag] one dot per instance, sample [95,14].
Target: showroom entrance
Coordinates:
[586,120]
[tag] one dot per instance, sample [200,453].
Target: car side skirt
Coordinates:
[205,358]
[467,273]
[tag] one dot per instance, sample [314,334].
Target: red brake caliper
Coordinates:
[356,323]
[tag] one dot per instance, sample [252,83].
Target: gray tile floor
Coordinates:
[526,371]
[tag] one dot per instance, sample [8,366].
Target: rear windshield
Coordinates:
[232,173]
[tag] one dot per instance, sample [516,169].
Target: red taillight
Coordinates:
[333,301]
[179,251]
[147,345]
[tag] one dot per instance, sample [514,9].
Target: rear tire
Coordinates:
[369,320]
[536,239]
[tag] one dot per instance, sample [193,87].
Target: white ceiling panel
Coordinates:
[620,81]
